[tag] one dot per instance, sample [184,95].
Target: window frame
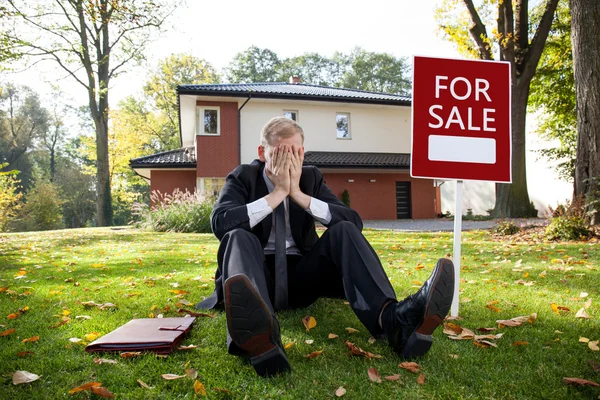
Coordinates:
[347,114]
[200,120]
[292,111]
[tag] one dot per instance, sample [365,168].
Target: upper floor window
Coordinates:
[342,121]
[208,121]
[291,114]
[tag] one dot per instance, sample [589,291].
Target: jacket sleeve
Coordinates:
[339,211]
[230,211]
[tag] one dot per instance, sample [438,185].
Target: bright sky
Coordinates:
[217,30]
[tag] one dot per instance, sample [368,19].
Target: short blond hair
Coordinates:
[279,127]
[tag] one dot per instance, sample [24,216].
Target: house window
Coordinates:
[291,114]
[212,186]
[342,122]
[208,121]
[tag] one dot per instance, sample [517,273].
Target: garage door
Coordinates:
[403,200]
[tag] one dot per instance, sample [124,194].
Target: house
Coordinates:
[360,141]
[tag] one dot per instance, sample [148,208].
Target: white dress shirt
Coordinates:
[259,210]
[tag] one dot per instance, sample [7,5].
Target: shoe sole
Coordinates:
[251,325]
[438,305]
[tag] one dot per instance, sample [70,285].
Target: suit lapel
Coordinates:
[262,191]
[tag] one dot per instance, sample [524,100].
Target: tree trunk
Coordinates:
[52,164]
[585,38]
[104,201]
[512,200]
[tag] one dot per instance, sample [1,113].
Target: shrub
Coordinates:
[567,228]
[346,197]
[9,197]
[506,228]
[43,208]
[180,212]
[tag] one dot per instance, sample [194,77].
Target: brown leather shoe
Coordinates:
[252,327]
[410,323]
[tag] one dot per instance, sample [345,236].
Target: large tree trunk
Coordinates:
[104,201]
[512,200]
[585,38]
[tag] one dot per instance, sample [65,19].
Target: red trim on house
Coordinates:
[377,200]
[216,156]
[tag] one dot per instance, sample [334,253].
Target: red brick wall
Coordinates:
[219,155]
[377,200]
[168,181]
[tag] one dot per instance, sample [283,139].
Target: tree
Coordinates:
[91,41]
[254,65]
[42,209]
[312,68]
[161,90]
[585,36]
[553,94]
[375,72]
[520,46]
[9,197]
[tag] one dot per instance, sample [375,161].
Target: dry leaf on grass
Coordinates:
[314,354]
[594,346]
[372,340]
[583,339]
[394,377]
[199,388]
[351,330]
[102,392]
[191,373]
[518,343]
[8,332]
[21,377]
[582,314]
[332,336]
[194,313]
[171,377]
[309,322]
[143,384]
[357,351]
[588,304]
[189,347]
[31,339]
[130,354]
[104,361]
[374,375]
[486,330]
[290,344]
[517,321]
[410,366]
[24,353]
[309,341]
[595,365]
[484,343]
[579,382]
[90,337]
[340,391]
[74,340]
[85,386]
[421,379]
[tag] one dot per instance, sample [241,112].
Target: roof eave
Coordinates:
[164,165]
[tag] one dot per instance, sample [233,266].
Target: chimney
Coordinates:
[294,79]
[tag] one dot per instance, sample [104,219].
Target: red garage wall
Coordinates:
[377,200]
[168,181]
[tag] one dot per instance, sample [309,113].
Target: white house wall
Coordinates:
[377,129]
[188,119]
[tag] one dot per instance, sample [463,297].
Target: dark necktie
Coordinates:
[281,283]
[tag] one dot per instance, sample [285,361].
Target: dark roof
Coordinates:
[331,159]
[181,158]
[294,91]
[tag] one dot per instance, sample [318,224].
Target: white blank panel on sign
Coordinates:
[462,149]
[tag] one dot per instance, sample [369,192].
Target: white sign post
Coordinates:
[457,239]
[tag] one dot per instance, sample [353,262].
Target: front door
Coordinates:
[403,200]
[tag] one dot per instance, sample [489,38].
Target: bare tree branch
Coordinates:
[478,32]
[521,25]
[534,52]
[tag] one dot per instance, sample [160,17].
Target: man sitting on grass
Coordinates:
[270,258]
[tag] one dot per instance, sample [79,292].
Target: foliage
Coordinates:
[346,197]
[42,210]
[567,228]
[506,228]
[253,65]
[469,216]
[180,212]
[553,94]
[9,197]
[572,208]
[311,68]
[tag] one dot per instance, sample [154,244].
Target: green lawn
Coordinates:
[146,274]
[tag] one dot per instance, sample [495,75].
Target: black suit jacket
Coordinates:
[246,184]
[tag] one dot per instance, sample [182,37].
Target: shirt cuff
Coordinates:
[257,211]
[319,210]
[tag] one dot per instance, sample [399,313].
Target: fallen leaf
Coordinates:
[144,385]
[189,347]
[421,379]
[104,361]
[493,308]
[452,329]
[290,344]
[24,353]
[74,340]
[394,377]
[486,330]
[583,339]
[194,313]
[593,346]
[595,365]
[309,322]
[171,377]
[185,302]
[351,330]
[562,308]
[31,339]
[588,304]
[332,336]
[579,382]
[374,375]
[309,341]
[85,386]
[21,377]
[340,391]
[314,354]
[371,340]
[410,366]
[582,314]
[130,354]
[191,373]
[455,356]
[178,291]
[83,317]
[8,332]
[520,343]
[12,316]
[583,295]
[554,308]
[517,321]
[357,351]
[90,337]
[102,392]
[484,343]
[487,337]
[199,388]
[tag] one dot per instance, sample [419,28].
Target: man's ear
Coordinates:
[261,153]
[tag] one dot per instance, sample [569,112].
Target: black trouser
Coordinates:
[341,264]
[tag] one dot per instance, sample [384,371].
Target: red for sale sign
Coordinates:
[461,120]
